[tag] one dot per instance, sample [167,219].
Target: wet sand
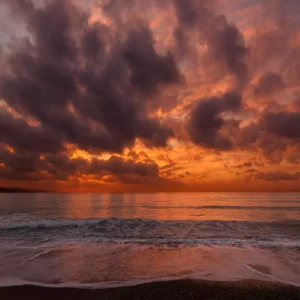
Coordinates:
[182,289]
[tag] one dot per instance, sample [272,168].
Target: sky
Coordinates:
[148,96]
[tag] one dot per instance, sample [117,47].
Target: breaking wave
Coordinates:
[145,231]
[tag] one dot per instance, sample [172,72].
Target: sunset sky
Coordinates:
[157,95]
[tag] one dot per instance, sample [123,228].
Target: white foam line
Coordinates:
[35,256]
[78,285]
[288,259]
[274,278]
[34,248]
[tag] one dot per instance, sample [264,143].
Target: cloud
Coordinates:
[82,83]
[248,164]
[283,124]
[19,135]
[191,13]
[60,167]
[278,176]
[205,121]
[294,158]
[225,43]
[116,165]
[268,84]
[273,135]
[19,163]
[121,78]
[148,69]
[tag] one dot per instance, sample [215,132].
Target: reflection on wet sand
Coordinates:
[119,264]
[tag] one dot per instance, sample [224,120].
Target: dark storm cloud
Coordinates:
[84,85]
[27,165]
[205,121]
[283,124]
[274,41]
[192,12]
[148,69]
[275,135]
[255,138]
[21,136]
[225,42]
[93,42]
[278,176]
[114,165]
[20,6]
[24,165]
[19,163]
[248,135]
[95,86]
[118,166]
[269,84]
[228,44]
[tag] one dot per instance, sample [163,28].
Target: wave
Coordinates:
[145,231]
[16,221]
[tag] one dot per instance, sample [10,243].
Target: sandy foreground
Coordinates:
[181,289]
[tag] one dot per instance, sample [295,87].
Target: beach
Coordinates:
[150,149]
[150,246]
[183,289]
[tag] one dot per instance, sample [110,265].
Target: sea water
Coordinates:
[105,240]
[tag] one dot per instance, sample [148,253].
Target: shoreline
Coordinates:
[177,289]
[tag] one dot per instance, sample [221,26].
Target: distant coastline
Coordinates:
[19,190]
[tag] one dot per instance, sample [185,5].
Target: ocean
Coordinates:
[111,240]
